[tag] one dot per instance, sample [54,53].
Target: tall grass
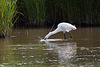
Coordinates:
[7,13]
[35,10]
[80,12]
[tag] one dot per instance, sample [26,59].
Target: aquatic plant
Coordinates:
[80,12]
[35,10]
[7,14]
[76,11]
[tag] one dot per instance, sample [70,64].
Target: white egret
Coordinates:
[64,27]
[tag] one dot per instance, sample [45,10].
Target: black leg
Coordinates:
[64,36]
[70,35]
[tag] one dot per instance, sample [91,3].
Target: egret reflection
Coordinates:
[66,50]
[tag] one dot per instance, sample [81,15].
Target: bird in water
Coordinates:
[64,27]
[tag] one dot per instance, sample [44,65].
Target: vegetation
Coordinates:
[33,11]
[46,12]
[7,13]
[42,13]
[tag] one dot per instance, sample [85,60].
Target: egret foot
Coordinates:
[70,38]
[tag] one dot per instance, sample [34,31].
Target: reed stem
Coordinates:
[7,13]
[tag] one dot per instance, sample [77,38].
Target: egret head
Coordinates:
[74,28]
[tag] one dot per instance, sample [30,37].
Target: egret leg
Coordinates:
[64,36]
[70,35]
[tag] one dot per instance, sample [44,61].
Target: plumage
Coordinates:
[64,27]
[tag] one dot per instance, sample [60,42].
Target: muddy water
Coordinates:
[24,49]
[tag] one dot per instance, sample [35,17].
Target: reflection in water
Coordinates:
[66,51]
[23,49]
[5,52]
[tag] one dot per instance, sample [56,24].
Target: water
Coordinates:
[24,48]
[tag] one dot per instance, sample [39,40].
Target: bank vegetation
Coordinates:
[45,13]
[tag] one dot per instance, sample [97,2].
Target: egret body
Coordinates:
[64,27]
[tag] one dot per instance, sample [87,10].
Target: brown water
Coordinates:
[24,49]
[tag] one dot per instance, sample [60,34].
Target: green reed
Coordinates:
[7,13]
[80,12]
[35,10]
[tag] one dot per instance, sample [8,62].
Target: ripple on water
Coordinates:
[2,65]
[88,54]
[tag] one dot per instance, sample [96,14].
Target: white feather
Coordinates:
[64,27]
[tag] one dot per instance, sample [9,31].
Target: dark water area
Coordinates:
[24,48]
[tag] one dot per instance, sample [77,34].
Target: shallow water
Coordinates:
[24,48]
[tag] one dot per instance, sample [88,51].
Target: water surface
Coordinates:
[24,49]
